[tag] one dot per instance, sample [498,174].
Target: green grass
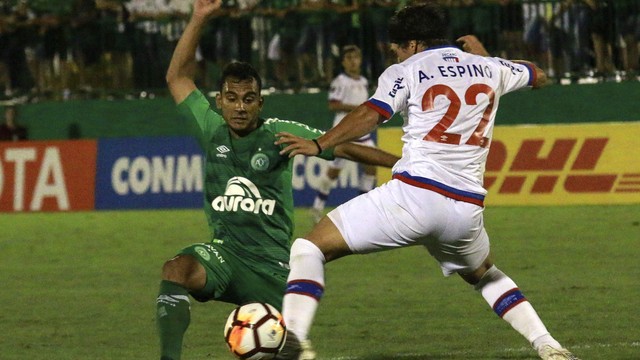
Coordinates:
[83,286]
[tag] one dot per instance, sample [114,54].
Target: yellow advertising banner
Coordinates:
[570,164]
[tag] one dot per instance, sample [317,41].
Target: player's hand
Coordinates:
[472,45]
[296,145]
[205,8]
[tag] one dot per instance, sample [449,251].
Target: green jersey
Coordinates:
[248,195]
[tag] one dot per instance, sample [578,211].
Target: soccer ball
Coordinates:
[255,331]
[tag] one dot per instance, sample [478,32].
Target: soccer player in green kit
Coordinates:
[248,192]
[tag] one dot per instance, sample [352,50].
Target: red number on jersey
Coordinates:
[438,133]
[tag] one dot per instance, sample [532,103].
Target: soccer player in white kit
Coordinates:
[348,90]
[448,98]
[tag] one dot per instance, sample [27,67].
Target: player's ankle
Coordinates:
[546,339]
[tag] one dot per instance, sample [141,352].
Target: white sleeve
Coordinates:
[392,93]
[514,76]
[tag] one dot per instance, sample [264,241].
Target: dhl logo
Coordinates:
[595,163]
[567,163]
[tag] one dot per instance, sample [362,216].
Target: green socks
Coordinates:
[173,313]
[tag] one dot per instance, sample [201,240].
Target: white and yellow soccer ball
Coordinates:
[255,331]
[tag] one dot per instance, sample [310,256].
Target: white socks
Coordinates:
[305,287]
[507,301]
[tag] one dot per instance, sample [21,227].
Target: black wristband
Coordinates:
[315,141]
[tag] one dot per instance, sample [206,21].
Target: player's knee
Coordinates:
[475,276]
[184,270]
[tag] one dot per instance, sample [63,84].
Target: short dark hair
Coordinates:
[423,21]
[241,71]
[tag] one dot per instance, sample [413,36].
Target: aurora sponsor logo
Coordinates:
[243,195]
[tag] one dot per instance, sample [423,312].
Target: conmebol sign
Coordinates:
[154,172]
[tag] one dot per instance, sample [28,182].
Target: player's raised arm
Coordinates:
[181,72]
[472,45]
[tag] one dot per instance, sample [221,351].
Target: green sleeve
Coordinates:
[197,109]
[304,131]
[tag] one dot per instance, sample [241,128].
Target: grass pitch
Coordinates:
[78,286]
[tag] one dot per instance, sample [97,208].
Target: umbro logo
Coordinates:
[222,150]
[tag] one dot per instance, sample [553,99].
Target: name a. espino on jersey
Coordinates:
[454,71]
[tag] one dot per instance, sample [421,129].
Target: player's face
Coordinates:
[240,103]
[352,62]
[402,52]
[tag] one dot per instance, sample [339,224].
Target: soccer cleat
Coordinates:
[549,353]
[291,349]
[307,351]
[295,349]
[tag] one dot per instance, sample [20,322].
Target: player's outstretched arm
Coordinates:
[365,154]
[181,72]
[297,145]
[472,45]
[357,123]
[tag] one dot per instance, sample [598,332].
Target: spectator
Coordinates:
[535,35]
[375,49]
[115,31]
[51,51]
[313,42]
[10,130]
[601,30]
[13,39]
[628,21]
[347,91]
[150,55]
[282,44]
[85,32]
[511,25]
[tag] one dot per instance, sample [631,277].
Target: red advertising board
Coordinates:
[47,175]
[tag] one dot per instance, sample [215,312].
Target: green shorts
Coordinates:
[238,279]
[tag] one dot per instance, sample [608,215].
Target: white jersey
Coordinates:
[350,91]
[448,99]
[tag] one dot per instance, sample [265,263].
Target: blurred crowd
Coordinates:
[63,49]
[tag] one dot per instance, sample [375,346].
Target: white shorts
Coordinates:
[398,215]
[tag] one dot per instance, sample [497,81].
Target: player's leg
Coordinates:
[327,182]
[508,302]
[341,233]
[198,270]
[179,275]
[305,284]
